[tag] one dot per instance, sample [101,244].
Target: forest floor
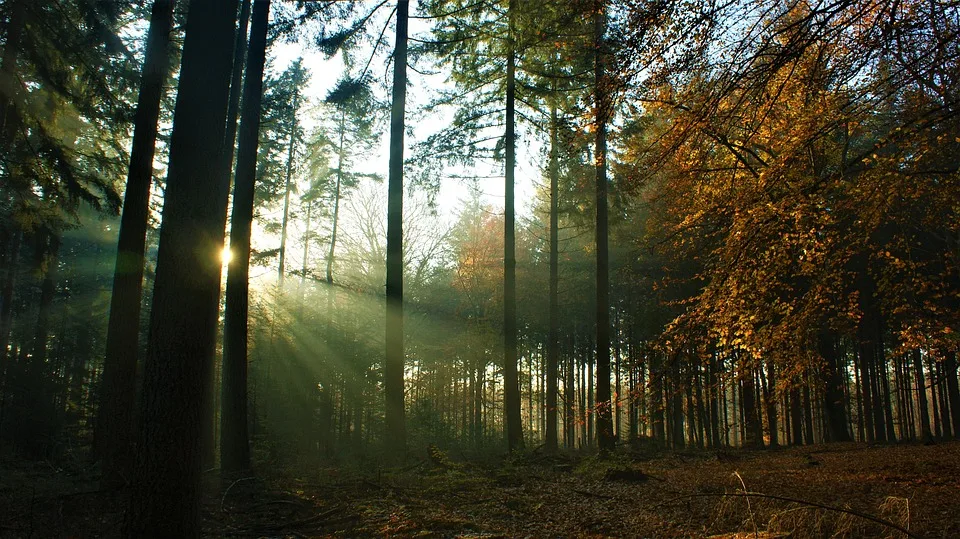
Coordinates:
[837,490]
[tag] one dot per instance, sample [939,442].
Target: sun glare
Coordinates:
[226,256]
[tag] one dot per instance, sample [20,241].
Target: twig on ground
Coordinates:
[756,531]
[224,497]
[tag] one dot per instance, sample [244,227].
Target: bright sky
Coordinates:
[325,73]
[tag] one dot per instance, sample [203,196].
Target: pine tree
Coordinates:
[393,372]
[114,436]
[234,435]
[165,497]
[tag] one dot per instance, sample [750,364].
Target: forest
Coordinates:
[479,268]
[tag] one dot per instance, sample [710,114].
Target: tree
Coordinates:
[234,436]
[165,497]
[553,342]
[605,438]
[115,427]
[355,108]
[510,376]
[395,436]
[63,151]
[298,77]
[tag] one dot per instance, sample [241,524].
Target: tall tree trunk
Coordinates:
[48,248]
[922,396]
[10,269]
[8,122]
[945,424]
[953,390]
[570,397]
[234,433]
[36,417]
[210,432]
[8,69]
[769,382]
[616,383]
[396,437]
[633,390]
[605,440]
[553,344]
[114,438]
[676,404]
[476,377]
[865,353]
[236,79]
[582,375]
[336,200]
[833,381]
[165,497]
[753,431]
[691,415]
[530,376]
[288,186]
[890,433]
[796,414]
[656,397]
[808,419]
[305,263]
[591,407]
[511,385]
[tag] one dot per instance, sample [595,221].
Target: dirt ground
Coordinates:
[845,490]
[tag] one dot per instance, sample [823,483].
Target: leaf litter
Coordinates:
[830,491]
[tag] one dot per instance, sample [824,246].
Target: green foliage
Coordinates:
[67,98]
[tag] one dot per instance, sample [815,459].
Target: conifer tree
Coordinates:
[234,434]
[114,437]
[165,497]
[393,371]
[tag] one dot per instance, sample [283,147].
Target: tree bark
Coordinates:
[395,438]
[925,431]
[511,385]
[165,496]
[288,185]
[236,79]
[808,418]
[656,398]
[865,353]
[48,247]
[114,437]
[953,390]
[234,425]
[8,69]
[769,382]
[753,432]
[605,440]
[10,269]
[833,381]
[553,344]
[336,200]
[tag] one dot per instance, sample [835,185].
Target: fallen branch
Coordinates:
[853,512]
[224,497]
